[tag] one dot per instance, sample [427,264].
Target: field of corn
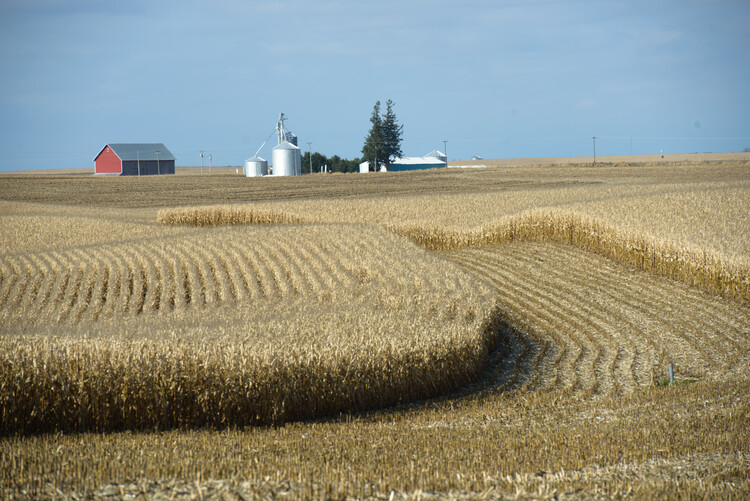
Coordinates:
[472,333]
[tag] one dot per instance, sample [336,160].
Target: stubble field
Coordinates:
[477,333]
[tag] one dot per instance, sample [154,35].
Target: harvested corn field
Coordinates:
[587,326]
[509,329]
[220,267]
[233,327]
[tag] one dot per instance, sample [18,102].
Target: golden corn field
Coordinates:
[456,334]
[233,327]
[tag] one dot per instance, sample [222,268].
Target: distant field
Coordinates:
[507,329]
[671,158]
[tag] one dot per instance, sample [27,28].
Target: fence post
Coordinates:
[670,368]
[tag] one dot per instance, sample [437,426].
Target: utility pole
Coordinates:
[138,152]
[210,162]
[158,170]
[445,151]
[594,138]
[309,152]
[202,151]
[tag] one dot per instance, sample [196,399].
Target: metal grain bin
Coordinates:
[286,159]
[255,167]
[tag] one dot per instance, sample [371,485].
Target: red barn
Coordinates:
[134,159]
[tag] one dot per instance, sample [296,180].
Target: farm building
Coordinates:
[432,160]
[134,159]
[365,167]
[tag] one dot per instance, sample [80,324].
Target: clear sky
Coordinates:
[502,79]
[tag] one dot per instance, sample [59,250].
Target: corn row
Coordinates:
[709,272]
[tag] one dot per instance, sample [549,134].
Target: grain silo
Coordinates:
[255,167]
[286,160]
[285,157]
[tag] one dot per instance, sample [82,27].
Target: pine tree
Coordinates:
[383,143]
[372,150]
[391,134]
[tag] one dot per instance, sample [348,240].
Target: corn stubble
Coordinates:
[564,347]
[710,271]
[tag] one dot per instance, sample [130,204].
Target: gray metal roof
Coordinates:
[146,151]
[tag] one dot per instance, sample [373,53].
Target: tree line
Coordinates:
[334,163]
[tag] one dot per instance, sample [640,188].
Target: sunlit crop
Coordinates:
[508,332]
[232,328]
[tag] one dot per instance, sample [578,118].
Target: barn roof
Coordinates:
[144,151]
[417,161]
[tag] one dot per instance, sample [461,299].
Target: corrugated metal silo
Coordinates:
[256,166]
[286,159]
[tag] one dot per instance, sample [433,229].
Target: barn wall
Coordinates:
[148,167]
[107,162]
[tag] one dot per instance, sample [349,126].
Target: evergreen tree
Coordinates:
[373,149]
[392,132]
[383,143]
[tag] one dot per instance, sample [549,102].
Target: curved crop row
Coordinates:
[598,328]
[234,327]
[711,272]
[695,267]
[162,276]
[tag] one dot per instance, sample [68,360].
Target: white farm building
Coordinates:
[432,160]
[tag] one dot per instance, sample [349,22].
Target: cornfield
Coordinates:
[712,272]
[507,330]
[233,328]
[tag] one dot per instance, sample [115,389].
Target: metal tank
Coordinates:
[291,138]
[255,167]
[286,160]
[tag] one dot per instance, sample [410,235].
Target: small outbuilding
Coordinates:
[365,167]
[134,159]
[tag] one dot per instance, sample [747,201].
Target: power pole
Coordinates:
[309,152]
[594,138]
[210,162]
[202,152]
[445,151]
[158,170]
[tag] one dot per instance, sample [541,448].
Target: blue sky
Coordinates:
[502,79]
